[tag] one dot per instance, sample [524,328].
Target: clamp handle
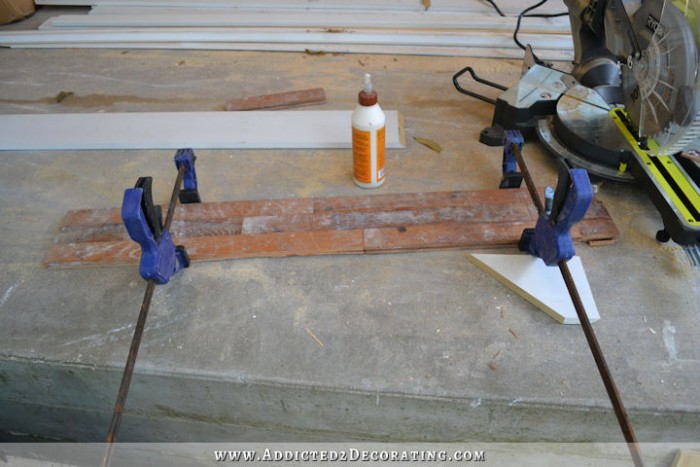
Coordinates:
[160,258]
[189,193]
[551,237]
[511,178]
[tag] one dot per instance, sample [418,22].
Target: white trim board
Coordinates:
[321,19]
[295,129]
[485,52]
[507,6]
[475,7]
[261,35]
[541,285]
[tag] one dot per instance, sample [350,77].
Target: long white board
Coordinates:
[508,6]
[295,129]
[485,52]
[323,19]
[414,42]
[416,38]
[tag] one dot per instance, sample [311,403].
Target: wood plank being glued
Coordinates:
[320,226]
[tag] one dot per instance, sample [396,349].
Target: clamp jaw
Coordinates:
[511,177]
[551,237]
[160,258]
[188,193]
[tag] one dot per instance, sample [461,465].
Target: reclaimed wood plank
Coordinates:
[349,220]
[448,235]
[178,228]
[400,201]
[201,211]
[123,253]
[335,225]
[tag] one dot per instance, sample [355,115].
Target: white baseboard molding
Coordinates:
[318,19]
[507,6]
[288,35]
[479,52]
[289,129]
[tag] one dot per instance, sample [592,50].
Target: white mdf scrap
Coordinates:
[541,285]
[289,129]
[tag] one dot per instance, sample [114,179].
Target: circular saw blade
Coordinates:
[661,88]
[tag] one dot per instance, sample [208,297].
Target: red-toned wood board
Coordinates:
[281,100]
[321,226]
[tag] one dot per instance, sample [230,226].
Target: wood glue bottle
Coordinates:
[368,138]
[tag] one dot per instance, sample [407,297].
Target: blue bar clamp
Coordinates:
[160,258]
[551,237]
[511,177]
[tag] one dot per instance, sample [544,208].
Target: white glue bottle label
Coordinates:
[368,138]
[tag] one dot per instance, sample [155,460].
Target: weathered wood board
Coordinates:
[320,226]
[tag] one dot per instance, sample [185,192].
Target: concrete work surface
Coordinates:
[396,347]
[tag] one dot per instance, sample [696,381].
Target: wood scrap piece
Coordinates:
[314,337]
[281,100]
[429,143]
[61,96]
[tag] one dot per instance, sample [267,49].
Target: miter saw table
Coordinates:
[629,109]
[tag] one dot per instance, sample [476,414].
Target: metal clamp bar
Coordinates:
[603,369]
[138,334]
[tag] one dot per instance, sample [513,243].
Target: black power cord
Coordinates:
[524,14]
[495,7]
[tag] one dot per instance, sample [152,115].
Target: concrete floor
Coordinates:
[406,338]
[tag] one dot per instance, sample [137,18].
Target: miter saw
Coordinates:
[629,109]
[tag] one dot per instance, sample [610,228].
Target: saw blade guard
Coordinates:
[661,88]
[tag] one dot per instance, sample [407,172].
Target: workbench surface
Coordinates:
[415,346]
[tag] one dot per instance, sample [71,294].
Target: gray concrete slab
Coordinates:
[402,342]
